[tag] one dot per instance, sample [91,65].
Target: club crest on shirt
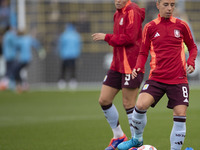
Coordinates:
[177,33]
[121,21]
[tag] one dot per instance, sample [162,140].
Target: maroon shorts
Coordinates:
[178,94]
[119,80]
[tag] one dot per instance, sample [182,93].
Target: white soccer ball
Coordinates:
[147,147]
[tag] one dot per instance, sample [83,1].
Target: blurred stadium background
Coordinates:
[49,17]
[52,120]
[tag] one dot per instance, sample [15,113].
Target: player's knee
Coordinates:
[180,110]
[179,114]
[103,101]
[126,105]
[129,104]
[141,106]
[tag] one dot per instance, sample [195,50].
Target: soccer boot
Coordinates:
[129,144]
[189,148]
[115,142]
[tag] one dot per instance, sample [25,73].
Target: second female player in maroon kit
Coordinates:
[125,40]
[164,38]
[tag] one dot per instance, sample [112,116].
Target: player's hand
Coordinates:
[189,69]
[98,36]
[135,73]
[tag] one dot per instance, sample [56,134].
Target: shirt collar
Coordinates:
[165,19]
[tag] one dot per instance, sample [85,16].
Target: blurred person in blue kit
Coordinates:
[24,45]
[69,49]
[7,39]
[9,54]
[4,23]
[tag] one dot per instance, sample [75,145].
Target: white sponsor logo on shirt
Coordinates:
[157,34]
[121,21]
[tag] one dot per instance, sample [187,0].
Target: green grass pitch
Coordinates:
[74,121]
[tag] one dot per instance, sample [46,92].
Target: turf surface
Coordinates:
[74,121]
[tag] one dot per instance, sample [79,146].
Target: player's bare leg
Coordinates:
[129,97]
[107,95]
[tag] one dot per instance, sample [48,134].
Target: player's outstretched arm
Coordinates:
[98,36]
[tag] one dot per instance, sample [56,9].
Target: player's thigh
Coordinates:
[129,97]
[145,100]
[107,95]
[154,92]
[180,110]
[113,79]
[130,89]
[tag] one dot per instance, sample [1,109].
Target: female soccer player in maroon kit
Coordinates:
[126,41]
[164,38]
